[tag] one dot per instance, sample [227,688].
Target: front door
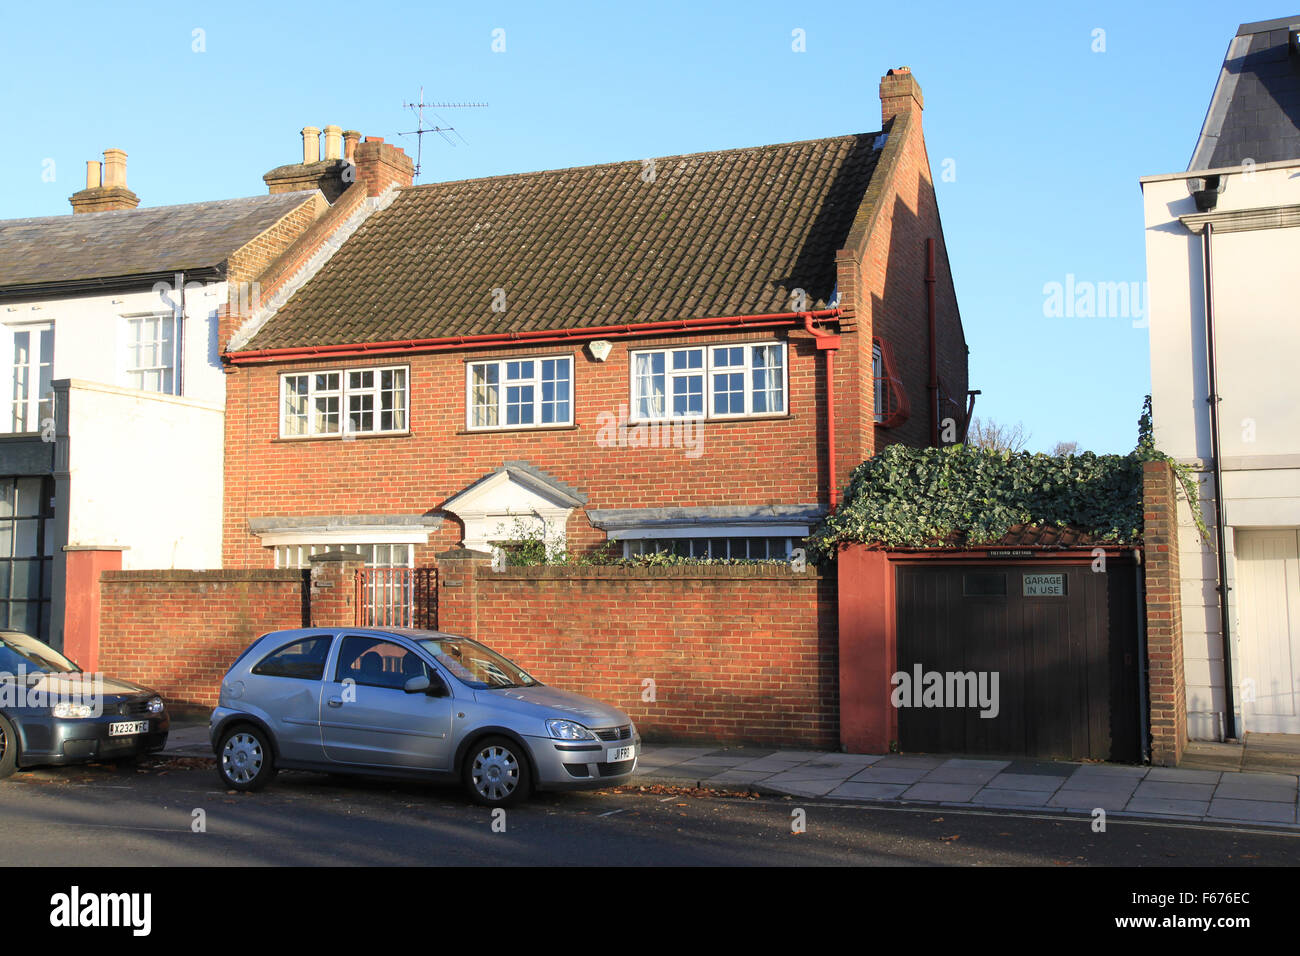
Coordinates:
[368,719]
[1268,610]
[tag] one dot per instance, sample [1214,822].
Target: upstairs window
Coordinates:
[33,371]
[151,353]
[713,382]
[519,393]
[891,405]
[362,401]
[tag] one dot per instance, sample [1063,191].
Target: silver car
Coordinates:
[411,703]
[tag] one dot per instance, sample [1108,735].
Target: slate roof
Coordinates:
[129,242]
[711,234]
[1255,111]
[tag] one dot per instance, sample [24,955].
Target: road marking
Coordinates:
[610,813]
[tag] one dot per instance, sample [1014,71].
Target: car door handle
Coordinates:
[335,702]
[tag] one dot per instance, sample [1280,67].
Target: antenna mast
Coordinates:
[420,130]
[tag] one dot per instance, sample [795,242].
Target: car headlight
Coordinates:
[568,730]
[156,706]
[66,710]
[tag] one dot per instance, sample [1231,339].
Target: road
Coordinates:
[107,815]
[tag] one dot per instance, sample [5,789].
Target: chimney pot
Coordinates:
[333,142]
[92,174]
[350,139]
[115,168]
[310,145]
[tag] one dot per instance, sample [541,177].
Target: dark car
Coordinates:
[51,712]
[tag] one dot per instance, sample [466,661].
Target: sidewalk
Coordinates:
[1209,796]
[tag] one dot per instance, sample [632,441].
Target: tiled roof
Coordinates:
[709,234]
[101,245]
[1255,111]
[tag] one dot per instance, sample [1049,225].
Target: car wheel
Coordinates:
[8,748]
[497,772]
[245,760]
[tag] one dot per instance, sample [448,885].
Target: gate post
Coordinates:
[81,597]
[458,571]
[868,651]
[333,588]
[1164,618]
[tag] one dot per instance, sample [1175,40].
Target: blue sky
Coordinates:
[1045,137]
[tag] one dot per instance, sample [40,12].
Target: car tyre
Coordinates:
[497,773]
[8,748]
[245,758]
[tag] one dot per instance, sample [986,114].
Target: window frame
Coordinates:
[167,321]
[502,383]
[32,401]
[708,370]
[344,393]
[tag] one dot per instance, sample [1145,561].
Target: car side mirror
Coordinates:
[416,685]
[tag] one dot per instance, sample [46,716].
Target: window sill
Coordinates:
[734,420]
[368,436]
[515,429]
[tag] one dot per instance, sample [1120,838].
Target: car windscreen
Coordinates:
[474,664]
[21,652]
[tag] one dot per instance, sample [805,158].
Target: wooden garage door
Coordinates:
[1066,663]
[1268,608]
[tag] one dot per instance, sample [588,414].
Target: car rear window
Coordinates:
[304,659]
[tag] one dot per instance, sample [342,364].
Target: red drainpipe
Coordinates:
[828,342]
[934,344]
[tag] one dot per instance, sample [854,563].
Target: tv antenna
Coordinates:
[420,129]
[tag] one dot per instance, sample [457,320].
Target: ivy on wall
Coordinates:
[923,497]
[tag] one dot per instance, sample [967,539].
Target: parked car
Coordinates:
[411,703]
[51,712]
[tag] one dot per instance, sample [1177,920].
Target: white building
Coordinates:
[111,440]
[1234,218]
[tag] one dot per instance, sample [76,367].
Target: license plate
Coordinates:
[127,727]
[619,754]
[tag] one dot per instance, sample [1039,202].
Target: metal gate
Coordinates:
[1061,639]
[397,597]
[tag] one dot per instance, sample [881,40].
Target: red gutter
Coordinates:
[542,336]
[934,345]
[828,342]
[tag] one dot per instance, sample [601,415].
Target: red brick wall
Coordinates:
[1165,678]
[884,263]
[758,461]
[179,631]
[737,654]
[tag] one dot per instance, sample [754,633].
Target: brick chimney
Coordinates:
[108,193]
[328,173]
[899,93]
[381,164]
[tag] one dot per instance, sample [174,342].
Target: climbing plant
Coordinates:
[920,497]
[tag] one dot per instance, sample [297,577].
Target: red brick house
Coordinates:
[690,352]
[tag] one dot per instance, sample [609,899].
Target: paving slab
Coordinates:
[879,774]
[910,760]
[957,792]
[970,763]
[869,791]
[1102,784]
[1255,810]
[713,760]
[1178,775]
[1114,771]
[1161,790]
[1047,768]
[1248,789]
[1176,808]
[1089,800]
[948,774]
[1001,797]
[1026,781]
[737,776]
[802,788]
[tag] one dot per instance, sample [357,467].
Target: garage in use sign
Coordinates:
[1044,585]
